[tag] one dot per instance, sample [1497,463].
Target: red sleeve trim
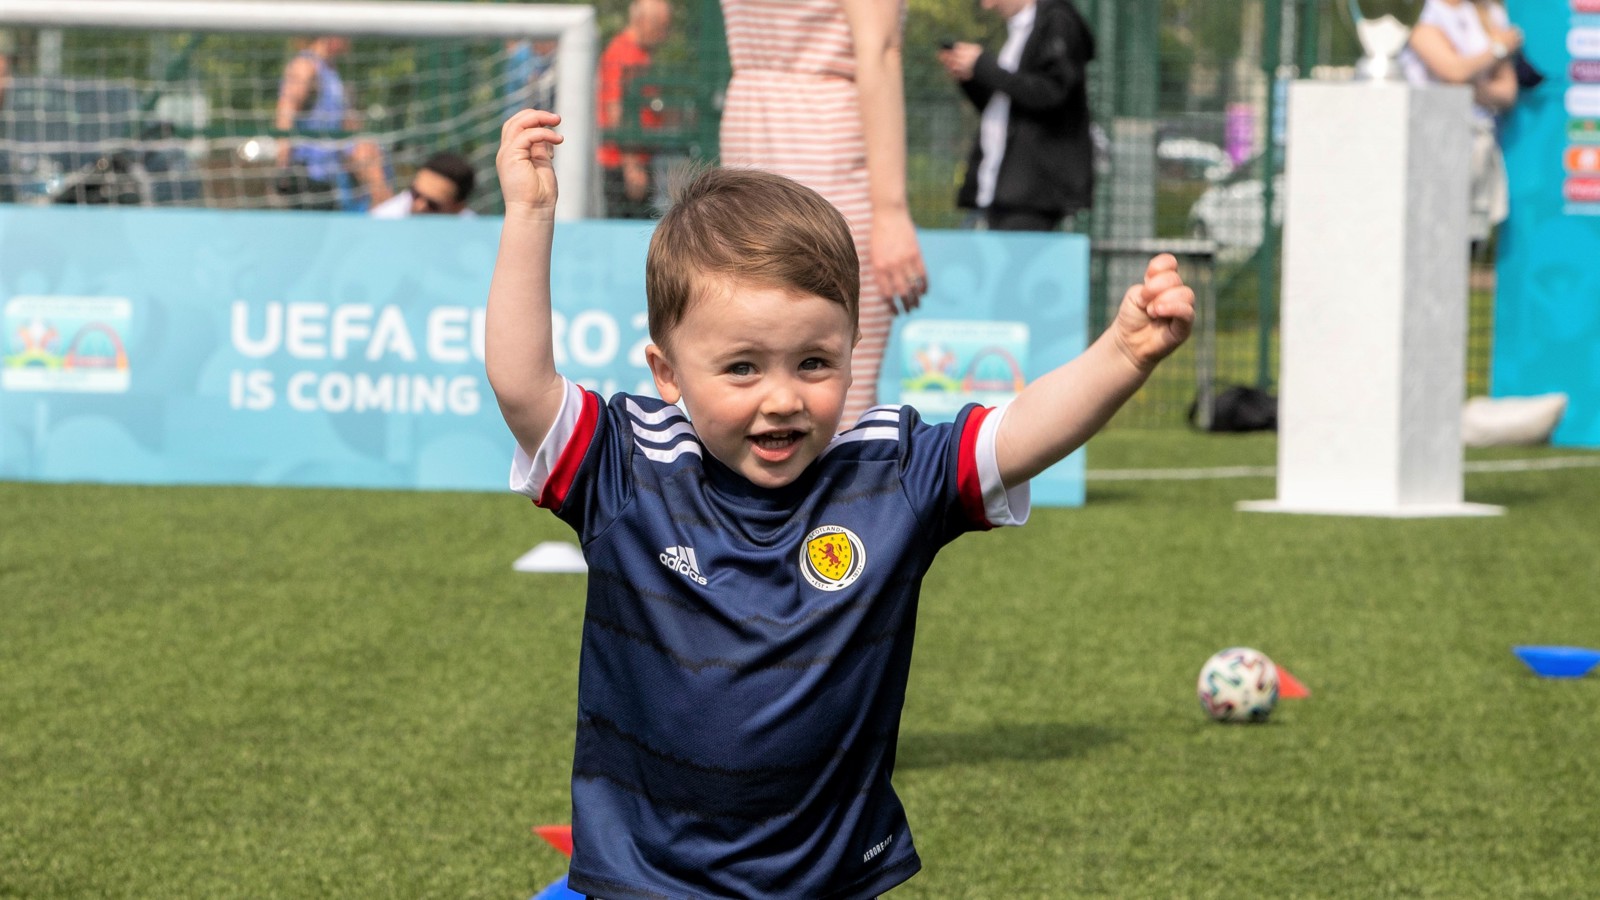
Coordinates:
[566,467]
[968,484]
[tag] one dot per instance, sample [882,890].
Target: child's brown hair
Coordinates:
[752,226]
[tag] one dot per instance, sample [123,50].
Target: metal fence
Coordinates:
[1187,98]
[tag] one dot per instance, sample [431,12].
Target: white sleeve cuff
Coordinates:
[1001,505]
[530,472]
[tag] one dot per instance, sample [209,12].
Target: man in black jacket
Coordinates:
[1033,161]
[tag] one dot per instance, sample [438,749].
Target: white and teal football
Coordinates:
[1238,685]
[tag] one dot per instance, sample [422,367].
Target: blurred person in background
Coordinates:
[1032,164]
[530,75]
[1472,42]
[7,50]
[818,95]
[442,186]
[625,173]
[312,99]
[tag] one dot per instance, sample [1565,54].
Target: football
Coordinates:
[1238,685]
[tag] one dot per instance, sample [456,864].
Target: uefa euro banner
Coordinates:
[1547,305]
[156,346]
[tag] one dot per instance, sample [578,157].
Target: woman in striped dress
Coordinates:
[817,95]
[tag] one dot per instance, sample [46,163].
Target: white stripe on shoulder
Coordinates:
[653,418]
[664,435]
[670,453]
[675,431]
[857,434]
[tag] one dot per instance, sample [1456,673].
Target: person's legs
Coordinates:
[367,166]
[1490,198]
[875,318]
[614,187]
[867,360]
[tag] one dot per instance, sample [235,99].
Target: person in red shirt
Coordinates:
[626,173]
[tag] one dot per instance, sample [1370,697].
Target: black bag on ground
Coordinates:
[1239,408]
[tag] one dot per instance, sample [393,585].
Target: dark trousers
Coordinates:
[618,206]
[1000,218]
[300,191]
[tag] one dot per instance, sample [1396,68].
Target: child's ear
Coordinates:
[665,375]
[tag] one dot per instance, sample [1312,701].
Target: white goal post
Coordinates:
[571,25]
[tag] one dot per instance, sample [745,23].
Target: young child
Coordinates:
[753,574]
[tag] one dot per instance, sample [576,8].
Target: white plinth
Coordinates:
[1406,511]
[1374,311]
[552,556]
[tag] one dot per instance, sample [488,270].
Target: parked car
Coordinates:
[1191,158]
[1229,212]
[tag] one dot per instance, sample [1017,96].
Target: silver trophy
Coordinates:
[1382,38]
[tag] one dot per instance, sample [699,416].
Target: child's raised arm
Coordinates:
[1054,416]
[517,351]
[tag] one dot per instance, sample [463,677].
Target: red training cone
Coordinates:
[1289,687]
[557,836]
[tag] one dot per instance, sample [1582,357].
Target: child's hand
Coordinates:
[527,179]
[1155,317]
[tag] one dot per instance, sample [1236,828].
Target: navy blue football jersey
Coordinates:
[745,650]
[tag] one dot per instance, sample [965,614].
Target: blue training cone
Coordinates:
[1558,662]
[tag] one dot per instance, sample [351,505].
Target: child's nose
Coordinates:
[782,399]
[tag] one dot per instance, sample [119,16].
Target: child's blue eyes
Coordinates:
[810,364]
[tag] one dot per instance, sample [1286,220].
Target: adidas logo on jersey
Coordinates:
[682,561]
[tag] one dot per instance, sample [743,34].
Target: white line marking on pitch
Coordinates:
[1181,474]
[1491,465]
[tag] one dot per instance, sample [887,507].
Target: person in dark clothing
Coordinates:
[1032,164]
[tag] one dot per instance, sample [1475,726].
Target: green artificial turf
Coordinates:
[231,692]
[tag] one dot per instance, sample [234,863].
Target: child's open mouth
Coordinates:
[776,446]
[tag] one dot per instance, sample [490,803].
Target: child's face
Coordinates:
[763,373]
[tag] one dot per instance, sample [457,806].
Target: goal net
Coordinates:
[181,102]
